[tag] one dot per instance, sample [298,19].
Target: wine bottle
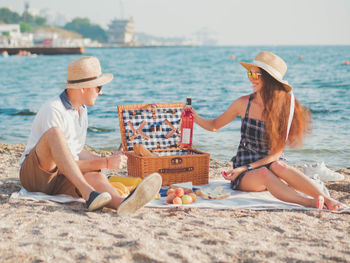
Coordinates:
[186,125]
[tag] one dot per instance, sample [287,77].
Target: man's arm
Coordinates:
[86,155]
[92,162]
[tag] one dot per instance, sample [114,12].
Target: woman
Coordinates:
[271,119]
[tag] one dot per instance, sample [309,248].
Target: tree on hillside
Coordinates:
[88,30]
[9,17]
[33,20]
[25,27]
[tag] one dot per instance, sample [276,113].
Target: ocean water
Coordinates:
[210,75]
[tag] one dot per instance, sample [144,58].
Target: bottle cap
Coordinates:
[188,101]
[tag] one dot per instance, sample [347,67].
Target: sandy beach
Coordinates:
[50,232]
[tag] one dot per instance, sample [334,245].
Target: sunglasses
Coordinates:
[254,75]
[99,88]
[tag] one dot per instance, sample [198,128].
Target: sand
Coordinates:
[50,232]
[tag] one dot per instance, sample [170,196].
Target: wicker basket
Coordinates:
[156,127]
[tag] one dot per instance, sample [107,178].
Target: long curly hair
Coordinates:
[276,114]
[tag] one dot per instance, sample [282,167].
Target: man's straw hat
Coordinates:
[272,64]
[85,72]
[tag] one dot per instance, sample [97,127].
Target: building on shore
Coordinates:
[121,32]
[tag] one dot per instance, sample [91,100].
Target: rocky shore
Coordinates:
[50,232]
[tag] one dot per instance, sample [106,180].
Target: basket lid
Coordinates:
[153,125]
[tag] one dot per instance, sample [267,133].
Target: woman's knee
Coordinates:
[278,167]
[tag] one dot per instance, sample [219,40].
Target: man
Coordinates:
[55,161]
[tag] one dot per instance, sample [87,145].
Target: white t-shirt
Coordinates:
[60,113]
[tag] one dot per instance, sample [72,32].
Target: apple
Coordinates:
[170,191]
[177,201]
[186,199]
[170,198]
[194,197]
[188,191]
[179,192]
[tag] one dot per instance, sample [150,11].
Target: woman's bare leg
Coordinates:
[301,182]
[262,179]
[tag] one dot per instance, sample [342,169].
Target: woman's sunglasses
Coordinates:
[254,75]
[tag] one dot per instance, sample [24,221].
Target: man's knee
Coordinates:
[95,178]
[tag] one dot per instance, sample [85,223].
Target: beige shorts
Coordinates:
[35,179]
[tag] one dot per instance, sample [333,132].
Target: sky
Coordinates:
[231,22]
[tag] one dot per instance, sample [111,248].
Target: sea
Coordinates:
[212,76]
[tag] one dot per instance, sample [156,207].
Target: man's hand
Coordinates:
[117,161]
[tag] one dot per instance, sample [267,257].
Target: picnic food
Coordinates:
[186,199]
[170,191]
[179,192]
[177,201]
[208,193]
[140,149]
[170,198]
[177,196]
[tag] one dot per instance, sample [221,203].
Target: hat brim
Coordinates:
[100,81]
[285,84]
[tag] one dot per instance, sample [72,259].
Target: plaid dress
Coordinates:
[253,145]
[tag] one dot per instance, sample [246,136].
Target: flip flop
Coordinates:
[142,194]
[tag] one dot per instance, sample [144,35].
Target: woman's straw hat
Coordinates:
[85,72]
[272,64]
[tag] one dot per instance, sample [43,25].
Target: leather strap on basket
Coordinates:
[175,170]
[173,130]
[138,131]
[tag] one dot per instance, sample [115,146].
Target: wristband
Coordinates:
[106,162]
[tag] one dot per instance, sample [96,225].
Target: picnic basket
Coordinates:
[156,126]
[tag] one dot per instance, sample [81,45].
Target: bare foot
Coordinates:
[332,204]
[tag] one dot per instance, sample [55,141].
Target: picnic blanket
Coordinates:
[237,200]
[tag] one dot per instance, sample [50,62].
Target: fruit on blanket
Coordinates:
[194,197]
[177,201]
[157,196]
[187,191]
[186,199]
[179,192]
[198,192]
[170,198]
[170,191]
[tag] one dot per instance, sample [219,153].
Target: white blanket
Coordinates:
[237,200]
[38,196]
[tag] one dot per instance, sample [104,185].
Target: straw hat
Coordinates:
[85,72]
[272,64]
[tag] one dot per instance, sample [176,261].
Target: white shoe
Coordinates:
[324,173]
[143,193]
